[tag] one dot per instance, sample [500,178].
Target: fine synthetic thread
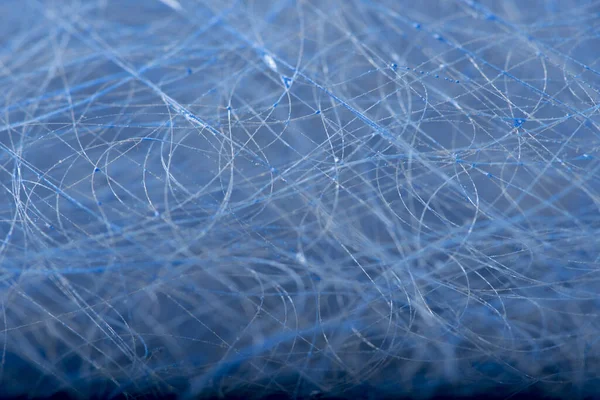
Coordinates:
[303,197]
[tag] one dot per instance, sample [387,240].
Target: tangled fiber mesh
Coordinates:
[304,197]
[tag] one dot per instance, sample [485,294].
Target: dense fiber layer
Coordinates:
[300,197]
